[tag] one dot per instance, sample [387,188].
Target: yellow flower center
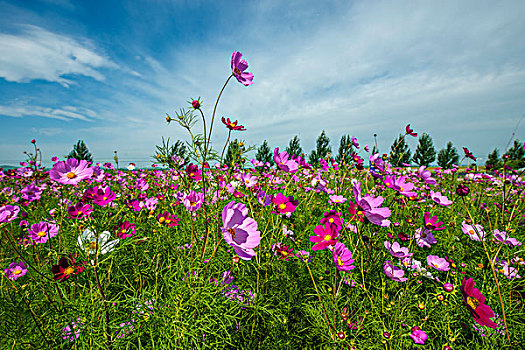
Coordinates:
[41,234]
[359,213]
[17,272]
[282,206]
[71,175]
[193,204]
[93,245]
[471,231]
[232,232]
[162,219]
[105,198]
[339,261]
[331,220]
[68,270]
[327,237]
[400,189]
[472,302]
[237,70]
[192,174]
[284,253]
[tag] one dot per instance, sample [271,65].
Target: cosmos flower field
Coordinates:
[290,256]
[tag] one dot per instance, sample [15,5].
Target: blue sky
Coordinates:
[108,71]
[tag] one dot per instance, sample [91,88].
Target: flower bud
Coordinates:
[196,104]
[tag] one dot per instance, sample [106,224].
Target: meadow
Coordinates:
[205,255]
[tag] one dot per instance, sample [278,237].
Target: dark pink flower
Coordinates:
[409,131]
[332,217]
[42,231]
[324,236]
[193,172]
[79,210]
[475,302]
[431,222]
[284,204]
[238,69]
[418,336]
[168,219]
[232,125]
[15,270]
[125,230]
[103,197]
[468,154]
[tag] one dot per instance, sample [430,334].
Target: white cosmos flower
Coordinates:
[87,241]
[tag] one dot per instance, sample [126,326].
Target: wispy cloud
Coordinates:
[66,113]
[36,53]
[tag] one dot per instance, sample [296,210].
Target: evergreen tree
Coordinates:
[448,156]
[234,154]
[346,148]
[399,152]
[425,152]
[80,151]
[294,148]
[322,149]
[173,156]
[493,160]
[516,155]
[264,154]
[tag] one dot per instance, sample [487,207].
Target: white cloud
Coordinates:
[35,53]
[65,114]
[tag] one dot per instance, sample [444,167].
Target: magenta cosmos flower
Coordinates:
[239,230]
[342,257]
[8,213]
[15,270]
[431,222]
[79,210]
[418,336]
[125,230]
[41,232]
[409,131]
[475,302]
[70,172]
[372,207]
[283,161]
[324,236]
[397,251]
[332,217]
[440,264]
[393,272]
[238,69]
[193,201]
[103,197]
[284,204]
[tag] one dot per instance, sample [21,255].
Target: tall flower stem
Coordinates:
[106,312]
[214,110]
[321,301]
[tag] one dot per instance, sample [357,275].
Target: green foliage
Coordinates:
[80,151]
[322,150]
[173,156]
[448,156]
[399,152]
[425,152]
[346,148]
[294,147]
[264,153]
[516,156]
[493,160]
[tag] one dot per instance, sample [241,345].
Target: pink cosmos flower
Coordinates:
[8,213]
[503,237]
[42,231]
[440,264]
[393,272]
[284,204]
[424,237]
[15,270]
[193,201]
[371,207]
[325,236]
[342,257]
[332,217]
[431,222]
[239,230]
[103,197]
[399,184]
[238,68]
[31,192]
[125,230]
[283,161]
[426,175]
[193,172]
[79,210]
[333,199]
[397,251]
[249,180]
[474,233]
[168,219]
[475,302]
[418,336]
[440,199]
[70,172]
[410,132]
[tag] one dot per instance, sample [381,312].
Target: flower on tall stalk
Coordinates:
[42,231]
[238,69]
[232,125]
[89,243]
[503,237]
[8,213]
[103,197]
[431,222]
[71,171]
[426,175]
[239,230]
[193,172]
[325,236]
[284,252]
[125,230]
[409,131]
[468,154]
[393,272]
[342,257]
[332,217]
[372,207]
[475,302]
[66,267]
[282,161]
[284,204]
[15,270]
